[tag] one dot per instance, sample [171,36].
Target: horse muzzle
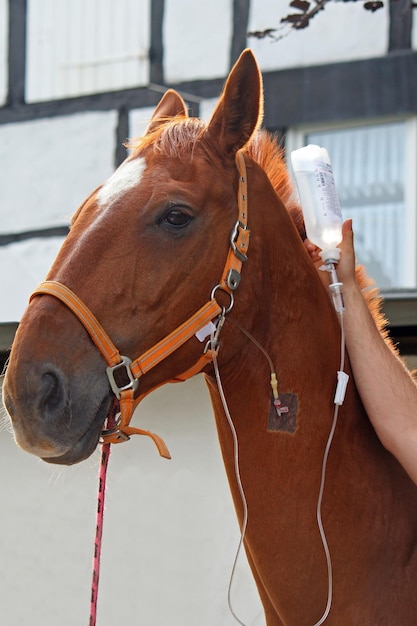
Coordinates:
[54,418]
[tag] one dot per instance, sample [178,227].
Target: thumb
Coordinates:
[347,228]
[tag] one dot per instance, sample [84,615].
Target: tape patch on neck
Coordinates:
[286,422]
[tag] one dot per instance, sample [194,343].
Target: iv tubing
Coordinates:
[239,483]
[339,311]
[320,498]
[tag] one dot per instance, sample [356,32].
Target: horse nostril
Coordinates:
[52,393]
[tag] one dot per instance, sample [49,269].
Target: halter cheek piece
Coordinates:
[122,372]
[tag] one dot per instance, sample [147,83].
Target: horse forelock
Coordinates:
[174,137]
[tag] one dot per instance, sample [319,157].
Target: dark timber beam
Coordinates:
[373,87]
[240,28]
[17,52]
[400,25]
[156,52]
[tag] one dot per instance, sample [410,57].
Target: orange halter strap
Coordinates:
[123,373]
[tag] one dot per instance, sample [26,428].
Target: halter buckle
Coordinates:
[113,435]
[119,374]
[239,241]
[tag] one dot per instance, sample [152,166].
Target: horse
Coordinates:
[159,263]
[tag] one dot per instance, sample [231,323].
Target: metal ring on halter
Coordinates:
[232,299]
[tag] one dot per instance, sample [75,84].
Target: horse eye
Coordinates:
[176,218]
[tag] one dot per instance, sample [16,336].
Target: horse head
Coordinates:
[144,252]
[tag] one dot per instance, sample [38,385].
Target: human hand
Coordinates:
[346,265]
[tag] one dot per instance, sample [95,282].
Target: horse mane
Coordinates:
[265,149]
[374,301]
[177,137]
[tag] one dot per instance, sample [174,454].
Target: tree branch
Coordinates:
[306,12]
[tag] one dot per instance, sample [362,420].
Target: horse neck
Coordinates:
[287,310]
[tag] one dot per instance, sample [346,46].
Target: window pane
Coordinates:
[369,166]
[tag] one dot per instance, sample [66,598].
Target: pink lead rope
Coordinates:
[105,454]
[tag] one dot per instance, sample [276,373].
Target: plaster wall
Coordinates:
[76,47]
[197,39]
[23,266]
[50,165]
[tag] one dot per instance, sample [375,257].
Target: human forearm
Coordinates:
[388,391]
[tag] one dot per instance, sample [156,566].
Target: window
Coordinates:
[374,167]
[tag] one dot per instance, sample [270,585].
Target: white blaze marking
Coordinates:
[125,177]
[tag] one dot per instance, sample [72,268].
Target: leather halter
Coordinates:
[119,366]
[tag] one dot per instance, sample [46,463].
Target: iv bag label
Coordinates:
[324,180]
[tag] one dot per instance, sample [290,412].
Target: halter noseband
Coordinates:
[121,367]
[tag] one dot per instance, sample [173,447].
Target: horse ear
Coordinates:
[170,105]
[239,111]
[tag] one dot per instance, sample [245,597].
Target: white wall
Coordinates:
[50,165]
[197,39]
[23,266]
[170,533]
[82,46]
